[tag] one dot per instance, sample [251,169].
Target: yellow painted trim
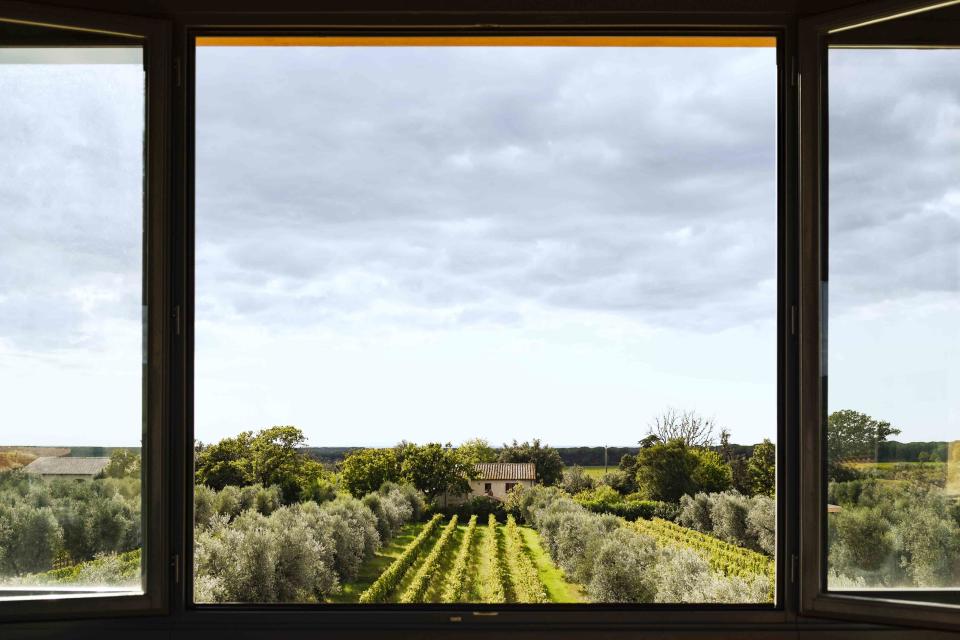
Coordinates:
[486,41]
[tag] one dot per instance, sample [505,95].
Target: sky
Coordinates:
[440,244]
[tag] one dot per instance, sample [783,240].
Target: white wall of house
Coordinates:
[497,488]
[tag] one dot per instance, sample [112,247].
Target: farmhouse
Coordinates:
[495,479]
[51,468]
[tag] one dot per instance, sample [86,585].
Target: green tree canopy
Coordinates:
[547,459]
[671,469]
[364,471]
[476,451]
[123,464]
[273,456]
[852,435]
[435,469]
[762,469]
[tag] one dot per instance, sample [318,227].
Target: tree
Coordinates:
[668,471]
[365,470]
[476,451]
[739,474]
[547,459]
[762,469]
[435,469]
[272,456]
[123,464]
[852,435]
[690,427]
[665,471]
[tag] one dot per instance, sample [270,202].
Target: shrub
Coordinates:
[391,577]
[204,505]
[483,507]
[624,569]
[695,512]
[576,480]
[928,545]
[728,514]
[30,538]
[762,523]
[860,540]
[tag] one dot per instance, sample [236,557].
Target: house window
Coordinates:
[495,240]
[487,488]
[509,486]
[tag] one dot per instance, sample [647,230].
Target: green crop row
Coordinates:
[421,580]
[393,574]
[457,579]
[492,586]
[526,580]
[723,557]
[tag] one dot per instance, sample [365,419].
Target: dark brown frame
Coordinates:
[923,608]
[155,38]
[171,274]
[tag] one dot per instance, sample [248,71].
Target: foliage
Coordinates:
[365,470]
[852,435]
[476,451]
[273,456]
[428,569]
[762,469]
[547,459]
[264,559]
[123,464]
[457,579]
[391,577]
[734,518]
[29,538]
[625,568]
[689,427]
[576,480]
[435,469]
[115,569]
[620,481]
[861,540]
[666,471]
[603,499]
[723,557]
[481,506]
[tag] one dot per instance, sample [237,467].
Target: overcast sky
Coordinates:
[438,244]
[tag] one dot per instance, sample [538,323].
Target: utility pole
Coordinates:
[604,459]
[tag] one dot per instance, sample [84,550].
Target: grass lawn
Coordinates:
[557,586]
[372,568]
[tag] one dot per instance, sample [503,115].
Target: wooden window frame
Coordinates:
[155,36]
[917,607]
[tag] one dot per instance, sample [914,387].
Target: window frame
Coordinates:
[893,607]
[500,616]
[156,37]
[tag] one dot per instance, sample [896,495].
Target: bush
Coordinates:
[762,523]
[481,506]
[728,514]
[30,538]
[695,513]
[576,480]
[624,569]
[861,540]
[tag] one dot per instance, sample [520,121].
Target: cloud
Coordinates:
[469,182]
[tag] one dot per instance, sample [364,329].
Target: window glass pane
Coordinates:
[71,233]
[529,283]
[894,349]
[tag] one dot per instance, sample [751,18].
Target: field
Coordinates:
[597,472]
[445,560]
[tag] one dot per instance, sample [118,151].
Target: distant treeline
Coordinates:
[894,451]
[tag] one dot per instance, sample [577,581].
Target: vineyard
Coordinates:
[445,560]
[448,561]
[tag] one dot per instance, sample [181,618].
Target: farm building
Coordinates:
[52,468]
[495,479]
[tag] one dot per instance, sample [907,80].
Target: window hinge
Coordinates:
[175,566]
[176,320]
[176,71]
[794,563]
[793,319]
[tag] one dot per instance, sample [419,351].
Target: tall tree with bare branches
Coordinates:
[689,426]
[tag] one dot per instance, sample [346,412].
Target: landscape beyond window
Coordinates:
[485,324]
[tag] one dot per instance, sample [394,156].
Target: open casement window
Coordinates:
[880,146]
[83,338]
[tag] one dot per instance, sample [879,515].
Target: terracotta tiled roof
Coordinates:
[507,471]
[49,466]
